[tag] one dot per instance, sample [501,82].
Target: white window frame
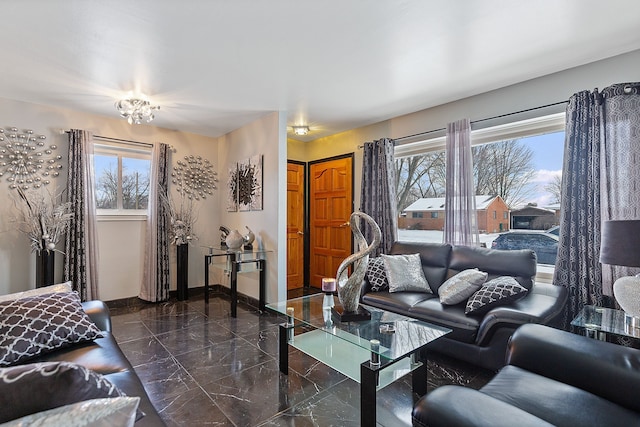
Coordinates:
[520,129]
[120,149]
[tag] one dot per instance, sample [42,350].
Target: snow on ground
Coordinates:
[435,236]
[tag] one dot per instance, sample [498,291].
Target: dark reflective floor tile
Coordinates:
[164,378]
[174,321]
[144,350]
[254,395]
[222,359]
[128,327]
[195,337]
[249,321]
[323,409]
[266,339]
[191,408]
[314,371]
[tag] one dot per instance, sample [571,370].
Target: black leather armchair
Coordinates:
[552,377]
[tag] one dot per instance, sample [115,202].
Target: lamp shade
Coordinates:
[620,244]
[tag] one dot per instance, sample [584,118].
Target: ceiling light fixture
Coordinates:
[300,130]
[136,110]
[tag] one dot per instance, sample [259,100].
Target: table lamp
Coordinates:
[620,245]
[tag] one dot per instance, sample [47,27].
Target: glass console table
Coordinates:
[600,321]
[233,262]
[374,353]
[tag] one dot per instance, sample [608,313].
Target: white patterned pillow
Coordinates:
[377,275]
[116,411]
[405,273]
[499,291]
[60,287]
[57,384]
[461,286]
[39,324]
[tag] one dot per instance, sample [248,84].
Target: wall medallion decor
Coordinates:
[245,185]
[25,159]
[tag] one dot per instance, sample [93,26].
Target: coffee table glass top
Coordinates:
[607,320]
[408,336]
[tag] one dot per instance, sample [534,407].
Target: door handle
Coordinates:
[346,224]
[301,233]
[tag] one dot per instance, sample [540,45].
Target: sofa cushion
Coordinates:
[377,275]
[404,273]
[463,328]
[118,411]
[60,287]
[461,286]
[57,384]
[435,259]
[34,325]
[499,291]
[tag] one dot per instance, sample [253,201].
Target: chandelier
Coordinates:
[136,110]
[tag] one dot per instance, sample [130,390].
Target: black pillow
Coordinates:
[377,275]
[499,291]
[39,324]
[37,387]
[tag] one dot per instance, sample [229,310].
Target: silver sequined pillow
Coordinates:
[39,324]
[499,291]
[405,273]
[461,286]
[377,275]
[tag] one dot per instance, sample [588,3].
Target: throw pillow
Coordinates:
[56,384]
[39,324]
[60,287]
[405,273]
[117,411]
[499,291]
[377,275]
[461,286]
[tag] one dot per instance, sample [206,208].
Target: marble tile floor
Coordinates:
[202,367]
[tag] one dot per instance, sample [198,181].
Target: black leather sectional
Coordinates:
[480,339]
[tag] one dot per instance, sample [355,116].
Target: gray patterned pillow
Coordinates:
[57,384]
[405,273]
[377,275]
[39,324]
[117,411]
[60,287]
[461,286]
[499,291]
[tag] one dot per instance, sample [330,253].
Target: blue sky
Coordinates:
[548,152]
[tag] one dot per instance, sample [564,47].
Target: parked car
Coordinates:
[554,230]
[545,245]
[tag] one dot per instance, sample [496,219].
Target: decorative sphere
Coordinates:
[51,245]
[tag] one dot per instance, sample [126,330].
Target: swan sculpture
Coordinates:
[349,286]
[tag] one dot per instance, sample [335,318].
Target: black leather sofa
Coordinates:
[105,357]
[481,339]
[552,377]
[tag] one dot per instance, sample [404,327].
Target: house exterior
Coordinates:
[428,214]
[535,218]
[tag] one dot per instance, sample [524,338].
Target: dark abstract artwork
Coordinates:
[245,185]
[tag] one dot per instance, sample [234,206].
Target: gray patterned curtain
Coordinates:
[155,279]
[597,184]
[81,242]
[461,218]
[378,196]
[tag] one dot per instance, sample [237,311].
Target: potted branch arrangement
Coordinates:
[44,221]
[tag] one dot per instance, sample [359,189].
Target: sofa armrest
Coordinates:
[99,314]
[458,406]
[607,370]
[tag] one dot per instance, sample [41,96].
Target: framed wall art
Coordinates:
[245,185]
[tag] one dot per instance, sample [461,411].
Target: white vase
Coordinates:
[234,240]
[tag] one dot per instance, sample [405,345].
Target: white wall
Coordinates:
[121,244]
[266,136]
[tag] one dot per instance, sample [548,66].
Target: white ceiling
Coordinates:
[216,65]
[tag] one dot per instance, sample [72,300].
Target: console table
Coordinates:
[374,353]
[236,261]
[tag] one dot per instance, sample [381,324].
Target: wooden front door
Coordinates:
[295,225]
[330,205]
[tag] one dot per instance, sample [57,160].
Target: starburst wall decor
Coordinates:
[194,177]
[25,159]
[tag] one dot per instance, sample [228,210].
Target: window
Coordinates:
[434,214]
[122,173]
[519,162]
[416,215]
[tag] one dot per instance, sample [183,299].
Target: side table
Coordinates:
[600,321]
[237,261]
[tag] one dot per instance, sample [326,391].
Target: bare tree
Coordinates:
[419,176]
[555,188]
[135,189]
[504,169]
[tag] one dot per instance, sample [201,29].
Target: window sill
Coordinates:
[106,218]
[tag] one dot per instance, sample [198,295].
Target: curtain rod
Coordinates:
[119,140]
[478,121]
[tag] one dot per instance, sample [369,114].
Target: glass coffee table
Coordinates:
[374,353]
[598,322]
